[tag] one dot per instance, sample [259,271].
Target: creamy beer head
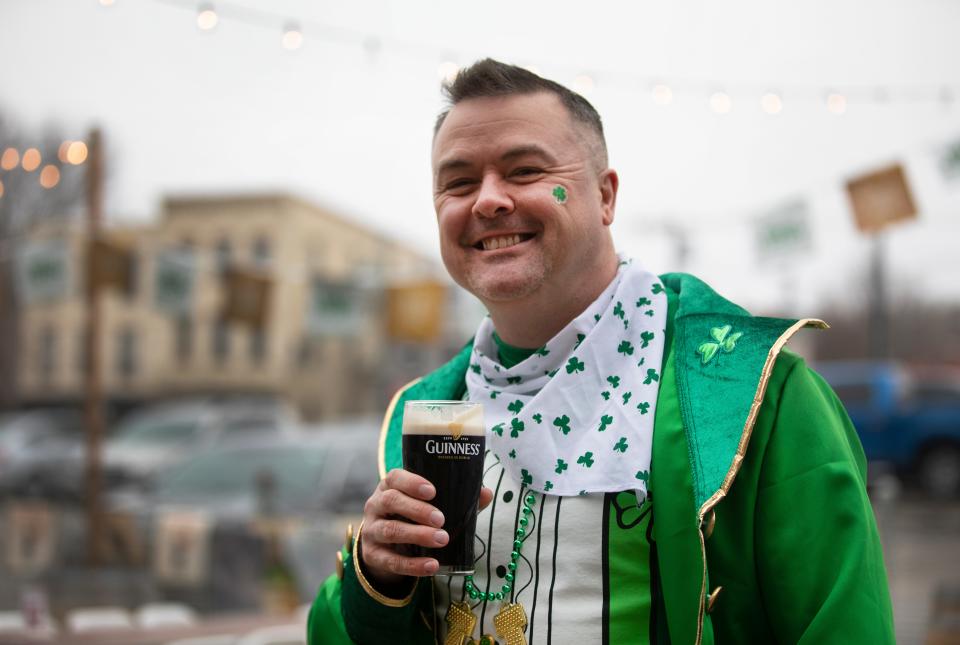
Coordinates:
[443,442]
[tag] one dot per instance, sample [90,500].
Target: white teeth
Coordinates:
[494,243]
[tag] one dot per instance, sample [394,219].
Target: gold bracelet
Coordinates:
[373,593]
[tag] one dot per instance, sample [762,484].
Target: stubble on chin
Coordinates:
[494,284]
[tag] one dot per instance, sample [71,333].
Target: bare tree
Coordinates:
[24,202]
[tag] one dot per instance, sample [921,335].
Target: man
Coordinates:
[659,470]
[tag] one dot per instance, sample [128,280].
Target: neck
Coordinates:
[532,321]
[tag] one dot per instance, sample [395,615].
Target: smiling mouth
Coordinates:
[502,241]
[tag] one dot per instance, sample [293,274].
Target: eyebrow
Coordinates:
[511,154]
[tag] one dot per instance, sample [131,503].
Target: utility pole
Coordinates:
[93,403]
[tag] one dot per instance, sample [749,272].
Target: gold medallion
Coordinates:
[460,621]
[510,622]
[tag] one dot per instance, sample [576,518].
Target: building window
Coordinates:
[184,338]
[258,346]
[220,340]
[224,256]
[126,364]
[48,353]
[261,252]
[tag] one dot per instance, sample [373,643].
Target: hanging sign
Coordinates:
[174,282]
[43,271]
[784,232]
[880,199]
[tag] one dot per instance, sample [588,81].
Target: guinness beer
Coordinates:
[443,441]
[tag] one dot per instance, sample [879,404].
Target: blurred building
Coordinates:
[325,337]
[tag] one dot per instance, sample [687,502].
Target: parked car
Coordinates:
[308,488]
[42,453]
[907,419]
[161,435]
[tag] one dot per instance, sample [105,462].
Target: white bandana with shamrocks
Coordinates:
[576,417]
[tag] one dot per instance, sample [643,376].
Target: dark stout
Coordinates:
[455,468]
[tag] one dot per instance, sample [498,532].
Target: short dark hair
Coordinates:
[489,78]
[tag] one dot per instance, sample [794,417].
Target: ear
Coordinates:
[609,183]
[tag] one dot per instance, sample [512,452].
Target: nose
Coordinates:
[494,199]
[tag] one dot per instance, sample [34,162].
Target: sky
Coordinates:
[345,120]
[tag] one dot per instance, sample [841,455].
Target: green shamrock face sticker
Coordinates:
[621,445]
[560,194]
[516,427]
[561,466]
[605,420]
[516,406]
[586,459]
[723,341]
[625,348]
[575,365]
[563,424]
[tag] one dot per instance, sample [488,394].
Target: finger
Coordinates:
[383,559]
[386,531]
[393,502]
[486,496]
[409,483]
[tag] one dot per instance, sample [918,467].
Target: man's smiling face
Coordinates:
[522,206]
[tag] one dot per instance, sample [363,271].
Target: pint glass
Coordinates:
[443,441]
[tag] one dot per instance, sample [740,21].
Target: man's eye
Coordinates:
[526,172]
[457,184]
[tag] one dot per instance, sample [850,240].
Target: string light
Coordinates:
[10,159]
[583,83]
[771,103]
[447,71]
[292,37]
[76,153]
[836,103]
[662,94]
[206,17]
[31,159]
[49,176]
[720,102]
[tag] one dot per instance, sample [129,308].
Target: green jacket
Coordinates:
[772,544]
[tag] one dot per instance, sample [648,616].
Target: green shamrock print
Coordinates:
[561,466]
[614,381]
[582,493]
[563,424]
[605,421]
[723,341]
[644,301]
[494,394]
[657,288]
[626,397]
[516,427]
[580,338]
[645,339]
[575,365]
[618,310]
[538,417]
[651,377]
[643,475]
[596,317]
[606,395]
[496,367]
[560,194]
[586,459]
[644,407]
[621,446]
[525,477]
[516,406]
[475,367]
[513,454]
[487,379]
[648,312]
[547,485]
[625,348]
[552,373]
[543,351]
[513,380]
[497,429]
[642,361]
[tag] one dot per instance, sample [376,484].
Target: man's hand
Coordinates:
[401,496]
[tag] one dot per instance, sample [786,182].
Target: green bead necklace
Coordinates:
[476,594]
